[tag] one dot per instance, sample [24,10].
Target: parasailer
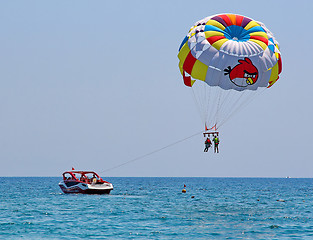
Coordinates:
[226,59]
[216,141]
[207,144]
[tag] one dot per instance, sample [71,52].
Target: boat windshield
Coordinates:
[68,176]
[87,177]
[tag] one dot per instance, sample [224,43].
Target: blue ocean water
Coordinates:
[156,208]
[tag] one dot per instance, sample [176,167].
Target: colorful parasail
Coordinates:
[226,59]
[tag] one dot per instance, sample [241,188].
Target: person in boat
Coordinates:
[216,143]
[208,144]
[83,178]
[94,179]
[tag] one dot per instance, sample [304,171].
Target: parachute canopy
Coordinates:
[231,53]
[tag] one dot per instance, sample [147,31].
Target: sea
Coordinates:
[156,208]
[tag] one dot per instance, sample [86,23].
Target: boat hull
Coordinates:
[78,187]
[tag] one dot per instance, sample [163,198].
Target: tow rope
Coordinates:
[150,153]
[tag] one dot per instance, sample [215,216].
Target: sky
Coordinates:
[95,84]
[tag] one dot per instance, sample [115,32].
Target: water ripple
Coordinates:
[155,208]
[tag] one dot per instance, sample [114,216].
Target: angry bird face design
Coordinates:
[243,74]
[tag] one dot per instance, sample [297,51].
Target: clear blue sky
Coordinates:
[93,84]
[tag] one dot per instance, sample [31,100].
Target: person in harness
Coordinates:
[216,142]
[208,144]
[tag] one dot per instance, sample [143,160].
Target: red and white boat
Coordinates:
[87,182]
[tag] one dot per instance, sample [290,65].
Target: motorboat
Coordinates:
[87,182]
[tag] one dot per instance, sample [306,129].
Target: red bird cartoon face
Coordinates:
[243,74]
